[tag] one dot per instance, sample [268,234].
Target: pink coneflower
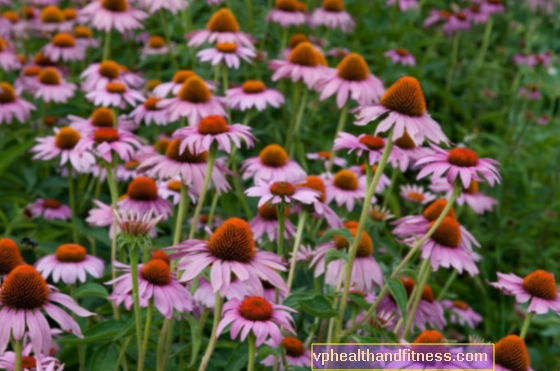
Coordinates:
[24,294]
[63,47]
[380,214]
[543,120]
[162,90]
[258,315]
[172,189]
[204,295]
[462,313]
[142,196]
[459,162]
[402,56]
[296,353]
[222,27]
[230,250]
[477,201]
[544,59]
[286,14]
[51,19]
[84,37]
[511,354]
[437,16]
[155,45]
[332,15]
[11,256]
[458,22]
[191,166]
[405,105]
[193,101]
[370,146]
[98,75]
[325,157]
[153,6]
[266,223]
[320,207]
[101,117]
[150,112]
[110,15]
[345,188]
[366,272]
[410,152]
[213,129]
[136,223]
[104,142]
[539,287]
[282,192]
[253,94]
[11,105]
[416,194]
[36,362]
[338,52]
[404,5]
[272,165]
[102,216]
[228,53]
[115,94]
[475,14]
[156,282]
[492,6]
[69,264]
[351,79]
[51,87]
[295,40]
[49,209]
[304,63]
[361,172]
[8,58]
[63,144]
[27,79]
[523,59]
[530,91]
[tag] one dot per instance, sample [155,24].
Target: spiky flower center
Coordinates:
[462,157]
[255,308]
[106,135]
[11,257]
[473,188]
[346,180]
[28,362]
[109,69]
[213,125]
[41,59]
[4,44]
[156,272]
[351,224]
[131,165]
[405,96]
[301,7]
[293,346]
[378,215]
[353,67]
[172,152]
[233,241]
[448,233]
[115,5]
[142,188]
[7,93]
[194,90]
[253,87]
[160,255]
[70,253]
[297,39]
[475,8]
[32,71]
[428,294]
[11,16]
[116,87]
[162,144]
[151,103]
[429,337]
[103,117]
[151,84]
[445,14]
[416,197]
[373,142]
[459,304]
[24,288]
[304,55]
[286,5]
[317,184]
[223,21]
[52,14]
[67,138]
[49,76]
[365,247]
[282,189]
[82,32]
[182,76]
[70,14]
[174,185]
[273,155]
[434,210]
[541,284]
[270,212]
[511,353]
[460,16]
[325,155]
[226,47]
[402,52]
[333,5]
[156,42]
[494,2]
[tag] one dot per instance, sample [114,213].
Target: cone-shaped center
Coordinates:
[51,204]
[365,247]
[448,234]
[541,284]
[194,90]
[253,87]
[301,7]
[106,135]
[103,117]
[7,93]
[160,255]
[109,69]
[351,224]
[156,272]
[70,14]
[24,288]
[4,44]
[181,76]
[293,346]
[115,5]
[226,47]
[174,185]
[233,241]
[67,138]
[346,180]
[402,52]
[172,152]
[115,87]
[317,184]
[223,21]
[156,42]
[462,157]
[461,16]
[473,188]
[353,67]
[429,337]
[151,84]
[131,165]
[70,253]
[286,5]
[270,212]
[82,32]
[31,71]
[475,8]
[11,257]
[163,144]
[151,103]
[428,294]
[373,142]
[405,96]
[282,189]
[11,16]
[28,362]
[434,210]
[459,304]
[304,55]
[333,5]
[52,14]
[325,155]
[213,125]
[42,60]
[142,188]
[511,353]
[256,308]
[273,155]
[445,14]
[49,76]
[297,39]
[416,197]
[378,215]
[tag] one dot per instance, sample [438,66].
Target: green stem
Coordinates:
[18,349]
[225,80]
[448,283]
[299,118]
[213,337]
[486,40]
[295,99]
[281,228]
[147,327]
[161,344]
[165,25]
[72,198]
[136,300]
[425,270]
[204,190]
[107,46]
[114,199]
[252,341]
[183,204]
[297,242]
[526,324]
[284,41]
[339,128]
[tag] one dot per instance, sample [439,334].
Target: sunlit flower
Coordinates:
[253,94]
[63,46]
[110,15]
[305,63]
[143,197]
[115,94]
[222,27]
[173,87]
[70,263]
[272,165]
[345,189]
[282,192]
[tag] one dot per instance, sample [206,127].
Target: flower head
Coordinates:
[69,264]
[511,354]
[11,105]
[110,15]
[332,15]
[305,63]
[253,94]
[51,87]
[11,256]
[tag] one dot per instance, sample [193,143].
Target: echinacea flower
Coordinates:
[101,117]
[476,14]
[492,6]
[143,197]
[29,362]
[404,5]
[51,87]
[51,19]
[228,53]
[282,192]
[530,91]
[437,16]
[402,56]
[462,313]
[416,194]
[222,27]
[296,353]
[11,256]
[24,296]
[258,315]
[332,15]
[253,94]
[204,295]
[325,156]
[511,354]
[351,79]
[63,47]
[304,64]
[272,165]
[213,129]
[155,45]
[543,120]
[149,112]
[27,79]
[194,101]
[410,152]
[115,94]
[162,90]
[367,145]
[320,207]
[477,201]
[459,163]
[135,222]
[155,282]
[539,287]
[230,250]
[49,209]
[266,223]
[174,6]
[405,106]
[98,75]
[69,264]
[84,37]
[64,144]
[172,189]
[295,40]
[8,57]
[345,189]
[458,21]
[380,214]
[104,142]
[286,14]
[110,15]
[11,105]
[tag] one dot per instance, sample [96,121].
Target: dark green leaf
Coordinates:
[344,232]
[396,288]
[196,337]
[91,290]
[319,306]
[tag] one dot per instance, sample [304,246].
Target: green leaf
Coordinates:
[410,274]
[91,290]
[104,358]
[334,254]
[360,301]
[319,306]
[9,155]
[196,337]
[292,301]
[102,332]
[396,288]
[238,359]
[344,232]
